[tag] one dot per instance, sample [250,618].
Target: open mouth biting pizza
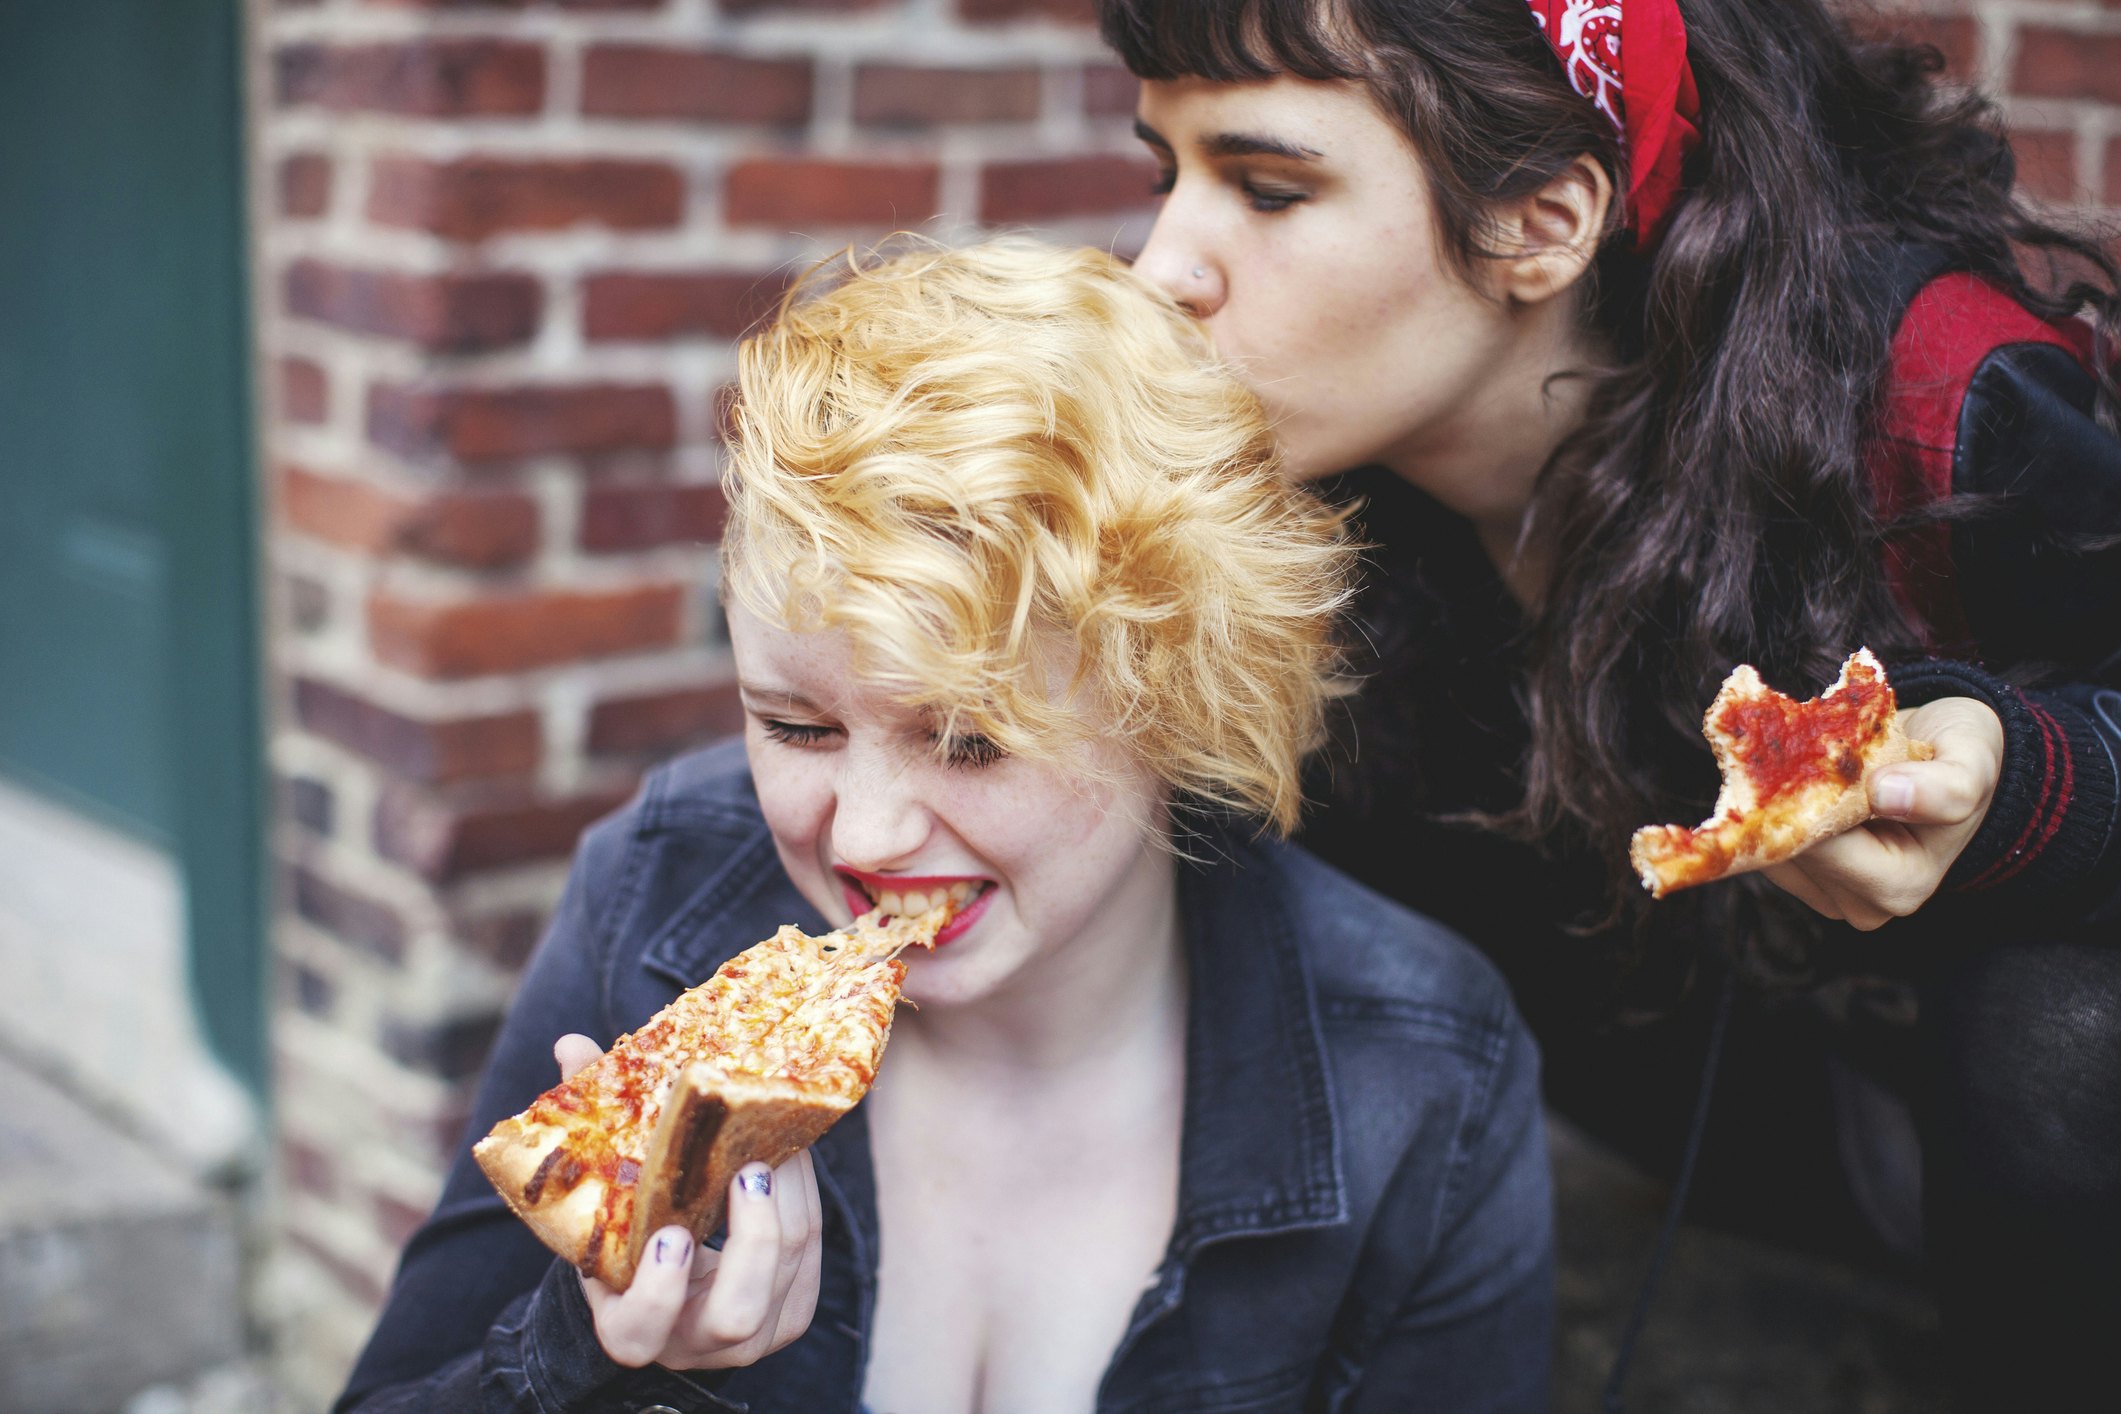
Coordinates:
[752,1065]
[1794,773]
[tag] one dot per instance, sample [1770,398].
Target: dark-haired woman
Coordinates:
[1678,335]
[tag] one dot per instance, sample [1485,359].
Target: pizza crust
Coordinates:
[722,1089]
[1744,833]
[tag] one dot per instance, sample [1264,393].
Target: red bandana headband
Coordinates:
[1650,101]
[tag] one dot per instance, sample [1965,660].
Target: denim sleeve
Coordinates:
[1476,1334]
[481,1316]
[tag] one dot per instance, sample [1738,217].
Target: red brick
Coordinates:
[904,95]
[365,923]
[472,198]
[512,633]
[433,78]
[446,313]
[442,838]
[1050,188]
[649,81]
[505,939]
[304,181]
[720,304]
[1109,91]
[663,722]
[475,529]
[1079,12]
[804,193]
[308,603]
[307,801]
[2047,165]
[308,1168]
[305,395]
[485,424]
[452,749]
[638,517]
[2065,63]
[308,990]
[341,510]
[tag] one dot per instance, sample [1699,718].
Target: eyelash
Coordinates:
[1264,202]
[794,733]
[970,752]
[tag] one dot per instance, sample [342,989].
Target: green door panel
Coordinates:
[127,539]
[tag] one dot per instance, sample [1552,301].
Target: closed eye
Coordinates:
[970,750]
[796,733]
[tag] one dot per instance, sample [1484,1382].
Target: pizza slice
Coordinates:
[752,1065]
[1794,773]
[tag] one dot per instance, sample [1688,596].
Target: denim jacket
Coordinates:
[1364,1219]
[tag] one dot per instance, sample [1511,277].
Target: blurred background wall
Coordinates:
[318,651]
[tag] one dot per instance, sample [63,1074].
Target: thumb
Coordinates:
[573,1051]
[1954,786]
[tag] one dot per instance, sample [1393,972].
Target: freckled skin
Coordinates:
[1078,880]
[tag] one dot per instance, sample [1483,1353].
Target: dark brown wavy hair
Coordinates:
[1713,508]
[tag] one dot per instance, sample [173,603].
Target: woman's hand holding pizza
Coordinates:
[692,1308]
[1925,813]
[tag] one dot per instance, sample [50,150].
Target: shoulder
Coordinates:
[686,862]
[1378,969]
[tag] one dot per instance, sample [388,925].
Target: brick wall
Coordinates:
[503,248]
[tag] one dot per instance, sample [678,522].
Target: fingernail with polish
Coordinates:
[672,1248]
[758,1182]
[1895,795]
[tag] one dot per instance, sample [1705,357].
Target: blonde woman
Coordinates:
[1181,1118]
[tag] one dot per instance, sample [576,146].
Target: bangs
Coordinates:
[1232,41]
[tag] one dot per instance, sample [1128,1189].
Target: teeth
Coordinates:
[914,902]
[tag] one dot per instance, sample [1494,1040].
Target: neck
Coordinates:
[1484,461]
[1114,993]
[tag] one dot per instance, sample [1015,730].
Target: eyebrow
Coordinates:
[1234,144]
[777,697]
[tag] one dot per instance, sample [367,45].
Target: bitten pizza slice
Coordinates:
[1794,773]
[752,1065]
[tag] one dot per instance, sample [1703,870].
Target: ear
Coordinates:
[1549,238]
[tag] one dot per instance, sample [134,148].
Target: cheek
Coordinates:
[795,796]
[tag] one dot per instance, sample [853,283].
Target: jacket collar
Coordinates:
[1260,1149]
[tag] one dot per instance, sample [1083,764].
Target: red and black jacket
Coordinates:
[1988,402]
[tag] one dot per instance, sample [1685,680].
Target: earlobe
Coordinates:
[1552,236]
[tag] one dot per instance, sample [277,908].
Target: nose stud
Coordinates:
[1200,272]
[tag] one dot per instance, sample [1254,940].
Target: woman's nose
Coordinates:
[878,821]
[1179,265]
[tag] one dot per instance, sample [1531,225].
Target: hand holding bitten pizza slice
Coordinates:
[1794,773]
[752,1065]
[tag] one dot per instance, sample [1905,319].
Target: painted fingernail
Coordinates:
[1895,795]
[672,1248]
[758,1182]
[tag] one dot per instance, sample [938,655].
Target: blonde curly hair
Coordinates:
[1020,483]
